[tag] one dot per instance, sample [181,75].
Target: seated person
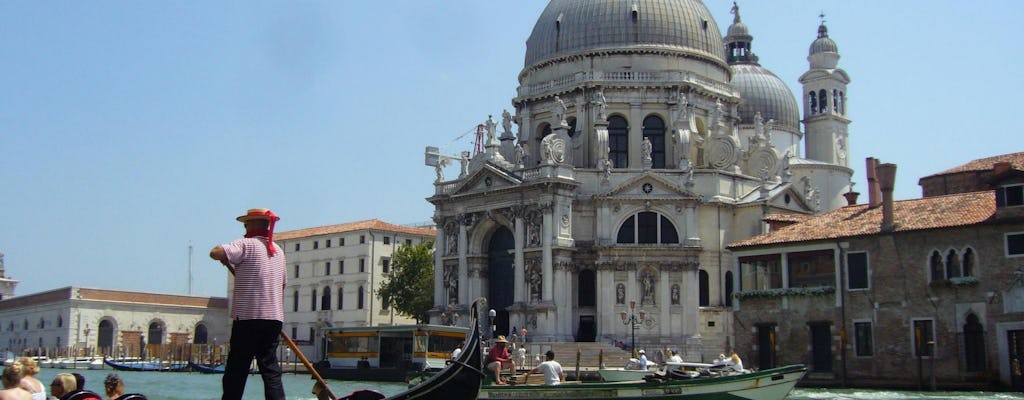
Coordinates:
[498,358]
[552,370]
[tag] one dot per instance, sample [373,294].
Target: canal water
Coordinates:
[196,386]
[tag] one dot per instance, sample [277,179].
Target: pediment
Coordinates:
[487,178]
[647,186]
[781,196]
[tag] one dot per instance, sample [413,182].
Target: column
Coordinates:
[692,234]
[440,295]
[520,262]
[463,266]
[546,235]
[664,304]
[636,135]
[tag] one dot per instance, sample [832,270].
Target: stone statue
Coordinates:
[506,121]
[451,283]
[464,164]
[768,127]
[758,124]
[646,148]
[607,168]
[439,170]
[491,127]
[620,294]
[675,294]
[600,103]
[560,110]
[535,283]
[647,287]
[452,240]
[520,154]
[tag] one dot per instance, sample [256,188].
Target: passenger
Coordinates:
[643,360]
[30,382]
[63,384]
[675,358]
[80,393]
[498,358]
[458,350]
[11,379]
[736,363]
[114,387]
[553,374]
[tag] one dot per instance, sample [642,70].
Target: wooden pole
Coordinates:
[321,386]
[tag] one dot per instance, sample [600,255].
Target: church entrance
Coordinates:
[500,278]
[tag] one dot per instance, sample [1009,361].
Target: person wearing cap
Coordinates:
[553,374]
[643,360]
[499,357]
[257,304]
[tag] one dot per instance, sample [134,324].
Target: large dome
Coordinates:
[577,26]
[764,92]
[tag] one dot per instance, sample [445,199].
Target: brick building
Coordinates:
[916,293]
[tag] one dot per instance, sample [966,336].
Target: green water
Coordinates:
[196,386]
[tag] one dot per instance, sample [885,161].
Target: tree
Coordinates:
[409,287]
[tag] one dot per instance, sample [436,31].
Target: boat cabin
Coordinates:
[402,347]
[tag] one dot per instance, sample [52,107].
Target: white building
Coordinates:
[109,322]
[333,274]
[646,140]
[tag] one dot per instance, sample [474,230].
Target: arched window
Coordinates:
[325,299]
[705,288]
[968,264]
[654,131]
[952,264]
[156,333]
[586,290]
[106,335]
[728,288]
[835,100]
[842,103]
[312,300]
[823,101]
[812,102]
[295,300]
[341,299]
[974,344]
[359,298]
[201,335]
[618,142]
[935,266]
[647,227]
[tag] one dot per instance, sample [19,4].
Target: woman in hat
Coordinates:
[499,357]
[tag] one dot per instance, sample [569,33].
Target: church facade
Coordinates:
[642,142]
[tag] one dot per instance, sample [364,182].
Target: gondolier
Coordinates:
[257,304]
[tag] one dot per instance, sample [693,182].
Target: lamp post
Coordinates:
[87,339]
[632,320]
[493,314]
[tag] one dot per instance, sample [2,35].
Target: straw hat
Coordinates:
[501,339]
[258,213]
[641,351]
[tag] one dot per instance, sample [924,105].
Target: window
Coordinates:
[295,301]
[295,332]
[341,298]
[359,298]
[387,240]
[328,243]
[728,288]
[325,299]
[647,227]
[316,244]
[654,131]
[362,265]
[811,268]
[705,288]
[297,246]
[761,272]
[327,268]
[341,241]
[952,264]
[60,321]
[923,338]
[408,242]
[385,265]
[296,270]
[362,239]
[935,266]
[1015,244]
[823,101]
[618,142]
[863,340]
[341,267]
[312,300]
[857,271]
[1010,196]
[812,100]
[312,334]
[968,263]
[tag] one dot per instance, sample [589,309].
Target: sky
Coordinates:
[134,131]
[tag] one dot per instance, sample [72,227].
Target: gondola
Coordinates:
[459,380]
[206,369]
[147,366]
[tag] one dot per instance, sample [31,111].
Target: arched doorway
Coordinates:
[586,300]
[501,278]
[106,337]
[201,334]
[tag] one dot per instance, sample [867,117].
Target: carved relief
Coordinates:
[553,150]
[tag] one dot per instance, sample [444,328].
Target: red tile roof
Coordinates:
[370,224]
[984,164]
[909,215]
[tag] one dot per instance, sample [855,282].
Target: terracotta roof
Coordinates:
[370,224]
[787,217]
[984,164]
[909,215]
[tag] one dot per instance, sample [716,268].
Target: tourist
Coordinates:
[62,384]
[114,387]
[498,358]
[458,350]
[643,360]
[553,374]
[257,304]
[11,379]
[79,392]
[29,382]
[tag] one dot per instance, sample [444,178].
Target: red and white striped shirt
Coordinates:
[259,279]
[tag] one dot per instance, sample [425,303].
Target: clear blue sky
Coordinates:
[129,129]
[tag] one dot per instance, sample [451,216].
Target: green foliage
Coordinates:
[409,286]
[782,292]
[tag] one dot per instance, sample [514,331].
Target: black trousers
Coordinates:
[253,338]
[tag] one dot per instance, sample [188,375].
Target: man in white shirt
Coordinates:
[643,360]
[552,370]
[458,350]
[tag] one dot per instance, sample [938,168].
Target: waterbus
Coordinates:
[388,353]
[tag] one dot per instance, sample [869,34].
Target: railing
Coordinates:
[624,76]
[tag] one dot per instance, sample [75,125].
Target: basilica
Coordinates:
[640,143]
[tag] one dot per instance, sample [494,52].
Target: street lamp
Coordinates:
[492,314]
[633,321]
[87,339]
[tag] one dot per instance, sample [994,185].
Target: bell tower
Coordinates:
[824,102]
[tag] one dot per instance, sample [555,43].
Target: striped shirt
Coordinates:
[259,279]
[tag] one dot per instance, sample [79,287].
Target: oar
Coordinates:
[320,389]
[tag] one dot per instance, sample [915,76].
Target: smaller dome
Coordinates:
[823,44]
[738,29]
[762,91]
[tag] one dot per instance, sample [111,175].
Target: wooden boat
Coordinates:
[460,379]
[206,369]
[631,373]
[147,366]
[771,384]
[388,353]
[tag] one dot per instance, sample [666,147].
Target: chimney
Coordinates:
[851,198]
[1000,167]
[886,178]
[874,194]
